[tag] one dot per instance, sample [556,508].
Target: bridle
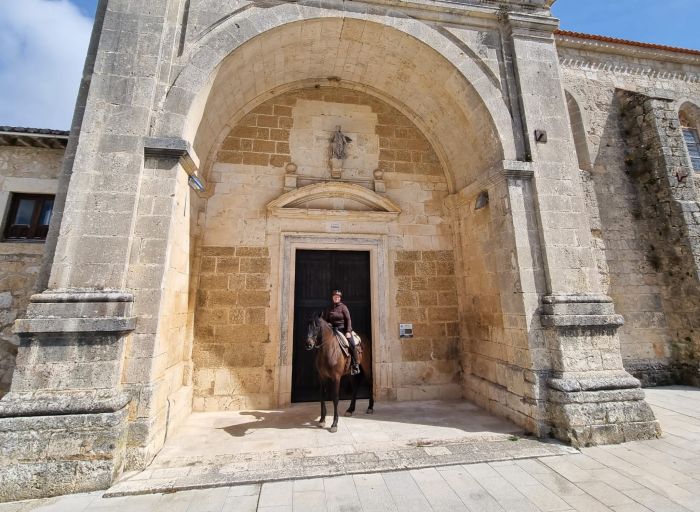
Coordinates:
[315,335]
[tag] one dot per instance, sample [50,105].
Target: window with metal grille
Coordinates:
[692,142]
[29,217]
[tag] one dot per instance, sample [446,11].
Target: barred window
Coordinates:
[692,142]
[29,217]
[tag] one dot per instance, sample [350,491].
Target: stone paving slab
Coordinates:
[223,449]
[643,476]
[226,473]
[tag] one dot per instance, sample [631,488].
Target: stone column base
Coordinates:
[605,410]
[592,400]
[60,443]
[63,426]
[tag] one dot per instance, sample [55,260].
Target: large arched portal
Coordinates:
[420,131]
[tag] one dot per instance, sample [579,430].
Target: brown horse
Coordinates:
[332,364]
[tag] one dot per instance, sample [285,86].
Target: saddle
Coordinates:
[343,342]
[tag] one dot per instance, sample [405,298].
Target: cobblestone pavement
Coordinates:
[660,476]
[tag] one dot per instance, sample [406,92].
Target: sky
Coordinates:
[40,68]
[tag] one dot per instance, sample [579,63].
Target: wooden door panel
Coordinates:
[318,273]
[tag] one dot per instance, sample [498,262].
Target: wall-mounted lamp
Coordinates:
[196,184]
[482,201]
[541,136]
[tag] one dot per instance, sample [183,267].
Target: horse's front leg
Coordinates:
[336,396]
[322,421]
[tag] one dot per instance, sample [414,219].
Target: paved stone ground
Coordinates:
[222,449]
[658,476]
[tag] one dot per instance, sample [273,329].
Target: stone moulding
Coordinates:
[291,203]
[50,404]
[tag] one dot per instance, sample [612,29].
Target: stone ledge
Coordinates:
[613,382]
[582,321]
[82,296]
[49,325]
[48,403]
[172,147]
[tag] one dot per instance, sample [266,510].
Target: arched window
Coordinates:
[690,119]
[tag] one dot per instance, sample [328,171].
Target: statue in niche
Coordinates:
[339,144]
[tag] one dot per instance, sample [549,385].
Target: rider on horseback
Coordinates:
[338,316]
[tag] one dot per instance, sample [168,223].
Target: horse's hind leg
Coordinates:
[336,396]
[353,384]
[322,421]
[370,409]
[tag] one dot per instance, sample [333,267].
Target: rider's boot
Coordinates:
[354,365]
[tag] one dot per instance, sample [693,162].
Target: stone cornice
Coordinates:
[592,53]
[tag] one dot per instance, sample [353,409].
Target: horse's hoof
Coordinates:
[334,430]
[321,424]
[348,413]
[370,411]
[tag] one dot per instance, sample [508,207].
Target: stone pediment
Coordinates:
[333,199]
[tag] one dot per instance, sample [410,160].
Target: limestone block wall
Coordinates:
[233,355]
[501,282]
[22,170]
[628,261]
[426,296]
[247,172]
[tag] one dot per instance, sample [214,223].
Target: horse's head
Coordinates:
[313,332]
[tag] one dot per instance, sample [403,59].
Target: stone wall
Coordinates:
[426,296]
[233,355]
[629,261]
[25,170]
[500,275]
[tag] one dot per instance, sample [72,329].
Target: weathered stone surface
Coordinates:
[500,246]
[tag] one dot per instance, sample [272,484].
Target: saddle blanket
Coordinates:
[343,342]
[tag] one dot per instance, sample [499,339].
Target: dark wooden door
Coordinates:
[318,273]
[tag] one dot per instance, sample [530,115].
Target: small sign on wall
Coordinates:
[406,330]
[334,227]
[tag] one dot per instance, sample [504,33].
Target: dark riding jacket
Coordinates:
[339,317]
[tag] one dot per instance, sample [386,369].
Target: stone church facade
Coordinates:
[527,199]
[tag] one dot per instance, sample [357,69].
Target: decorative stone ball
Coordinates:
[378,174]
[291,168]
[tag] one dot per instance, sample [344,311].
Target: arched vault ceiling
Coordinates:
[385,61]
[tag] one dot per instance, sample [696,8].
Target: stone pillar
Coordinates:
[63,425]
[592,399]
[102,373]
[667,189]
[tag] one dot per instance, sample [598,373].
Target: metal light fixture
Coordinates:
[196,184]
[482,201]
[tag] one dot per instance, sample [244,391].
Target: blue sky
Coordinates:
[668,22]
[40,69]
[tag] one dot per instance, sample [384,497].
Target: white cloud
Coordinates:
[42,50]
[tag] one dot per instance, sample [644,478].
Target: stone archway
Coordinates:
[407,64]
[253,224]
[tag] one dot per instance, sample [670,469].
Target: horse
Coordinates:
[332,364]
